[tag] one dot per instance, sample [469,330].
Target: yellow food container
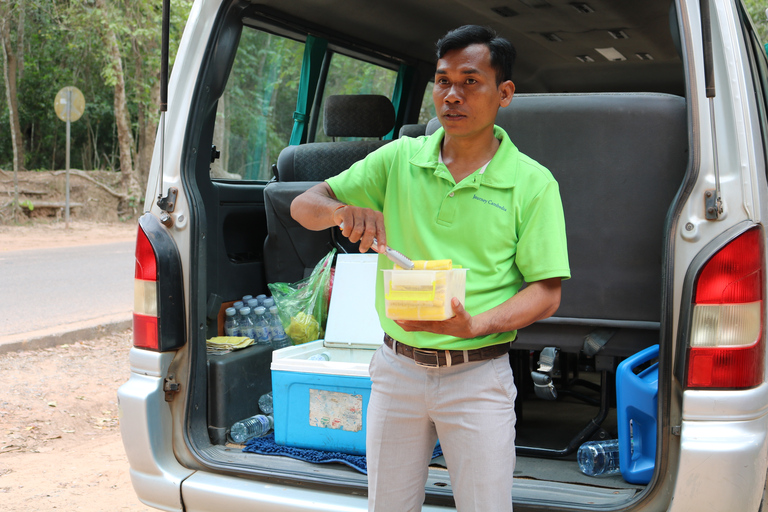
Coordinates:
[422,294]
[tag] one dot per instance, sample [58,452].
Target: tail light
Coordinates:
[158,305]
[145,295]
[727,346]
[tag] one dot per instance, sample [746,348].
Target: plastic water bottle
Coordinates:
[253,304]
[276,331]
[322,356]
[261,297]
[231,327]
[255,426]
[261,327]
[268,303]
[599,458]
[238,305]
[265,403]
[247,328]
[246,298]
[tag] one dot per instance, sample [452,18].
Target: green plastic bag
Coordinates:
[303,306]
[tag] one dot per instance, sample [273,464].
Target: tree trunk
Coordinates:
[128,180]
[12,64]
[148,131]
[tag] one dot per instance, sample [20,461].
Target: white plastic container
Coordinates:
[423,294]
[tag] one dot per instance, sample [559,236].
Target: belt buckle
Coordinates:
[426,358]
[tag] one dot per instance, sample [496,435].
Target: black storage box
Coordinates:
[235,382]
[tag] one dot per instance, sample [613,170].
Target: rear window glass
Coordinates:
[427,110]
[348,75]
[254,116]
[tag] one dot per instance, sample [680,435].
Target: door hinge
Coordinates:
[713,204]
[171,387]
[676,430]
[167,205]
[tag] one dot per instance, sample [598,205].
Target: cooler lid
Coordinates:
[352,318]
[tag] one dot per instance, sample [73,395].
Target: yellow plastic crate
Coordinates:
[422,294]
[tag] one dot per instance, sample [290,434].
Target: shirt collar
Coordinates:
[501,171]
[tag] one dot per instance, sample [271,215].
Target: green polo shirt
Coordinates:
[505,224]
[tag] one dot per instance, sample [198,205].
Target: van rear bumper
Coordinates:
[722,465]
[145,427]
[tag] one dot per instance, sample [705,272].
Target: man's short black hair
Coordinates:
[503,53]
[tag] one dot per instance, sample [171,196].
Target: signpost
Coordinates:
[69,106]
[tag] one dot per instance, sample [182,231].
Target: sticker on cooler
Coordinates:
[334,410]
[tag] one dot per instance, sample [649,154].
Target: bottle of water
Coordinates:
[322,356]
[238,305]
[255,426]
[246,298]
[276,331]
[231,327]
[599,458]
[261,327]
[268,303]
[265,403]
[261,297]
[253,304]
[247,328]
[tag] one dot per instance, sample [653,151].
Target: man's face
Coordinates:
[465,92]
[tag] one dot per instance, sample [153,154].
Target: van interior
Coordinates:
[292,93]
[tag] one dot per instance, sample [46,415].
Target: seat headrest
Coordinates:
[359,115]
[432,126]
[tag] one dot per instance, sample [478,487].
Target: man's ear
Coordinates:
[506,91]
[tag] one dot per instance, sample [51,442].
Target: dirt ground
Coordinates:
[60,445]
[94,196]
[51,233]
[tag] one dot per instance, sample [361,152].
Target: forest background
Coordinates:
[110,50]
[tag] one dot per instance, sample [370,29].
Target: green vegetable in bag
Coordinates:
[303,306]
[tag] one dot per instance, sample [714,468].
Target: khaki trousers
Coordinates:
[469,407]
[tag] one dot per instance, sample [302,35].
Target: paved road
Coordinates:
[46,288]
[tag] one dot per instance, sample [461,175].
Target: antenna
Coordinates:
[167,204]
[713,201]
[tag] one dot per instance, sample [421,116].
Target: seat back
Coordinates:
[619,160]
[290,250]
[364,115]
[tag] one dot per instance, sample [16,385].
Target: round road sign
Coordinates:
[72,95]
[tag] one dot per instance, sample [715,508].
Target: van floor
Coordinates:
[552,424]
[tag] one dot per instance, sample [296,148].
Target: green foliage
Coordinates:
[64,45]
[258,104]
[756,10]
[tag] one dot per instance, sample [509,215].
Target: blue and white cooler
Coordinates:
[321,404]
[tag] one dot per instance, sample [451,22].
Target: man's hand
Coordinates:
[459,325]
[318,209]
[361,224]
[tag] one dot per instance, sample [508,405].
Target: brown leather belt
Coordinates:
[435,358]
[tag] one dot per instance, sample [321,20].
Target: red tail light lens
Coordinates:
[727,348]
[145,322]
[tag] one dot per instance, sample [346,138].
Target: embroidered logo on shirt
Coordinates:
[488,201]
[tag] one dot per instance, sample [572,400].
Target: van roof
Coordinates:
[553,38]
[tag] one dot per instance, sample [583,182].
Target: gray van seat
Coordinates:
[364,115]
[619,159]
[413,130]
[289,249]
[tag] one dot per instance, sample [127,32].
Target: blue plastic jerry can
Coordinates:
[637,397]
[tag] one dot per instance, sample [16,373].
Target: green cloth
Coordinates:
[314,52]
[505,224]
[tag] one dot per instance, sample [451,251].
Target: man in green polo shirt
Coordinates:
[466,194]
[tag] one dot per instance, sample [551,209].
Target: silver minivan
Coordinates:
[653,118]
